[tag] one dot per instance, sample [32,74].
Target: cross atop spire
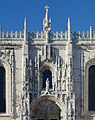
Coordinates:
[47,7]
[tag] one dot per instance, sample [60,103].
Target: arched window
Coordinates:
[47,74]
[2,90]
[91,89]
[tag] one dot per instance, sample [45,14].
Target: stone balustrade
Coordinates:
[53,36]
[83,35]
[60,35]
[11,35]
[36,35]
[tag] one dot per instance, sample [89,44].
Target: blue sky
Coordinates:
[13,12]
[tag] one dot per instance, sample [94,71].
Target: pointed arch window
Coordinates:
[47,74]
[2,90]
[91,89]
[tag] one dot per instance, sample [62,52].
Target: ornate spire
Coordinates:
[69,29]
[47,24]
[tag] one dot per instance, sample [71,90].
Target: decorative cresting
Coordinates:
[84,35]
[7,35]
[47,98]
[87,66]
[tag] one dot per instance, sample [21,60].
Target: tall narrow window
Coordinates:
[91,89]
[2,90]
[47,74]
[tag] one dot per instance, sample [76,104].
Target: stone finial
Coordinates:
[47,16]
[25,24]
[25,30]
[69,29]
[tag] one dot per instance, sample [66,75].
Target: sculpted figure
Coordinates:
[47,85]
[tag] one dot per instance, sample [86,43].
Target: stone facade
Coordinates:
[25,56]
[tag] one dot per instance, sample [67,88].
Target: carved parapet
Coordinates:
[58,35]
[35,35]
[11,35]
[83,35]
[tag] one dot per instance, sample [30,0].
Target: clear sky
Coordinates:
[13,12]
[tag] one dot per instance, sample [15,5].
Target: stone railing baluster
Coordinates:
[16,34]
[83,35]
[20,35]
[7,34]
[3,34]
[87,35]
[66,35]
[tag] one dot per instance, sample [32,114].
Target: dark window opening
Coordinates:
[2,90]
[91,88]
[47,74]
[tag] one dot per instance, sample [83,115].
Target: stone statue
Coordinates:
[47,85]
